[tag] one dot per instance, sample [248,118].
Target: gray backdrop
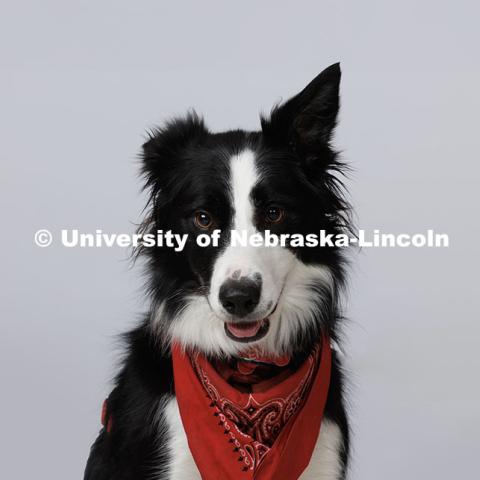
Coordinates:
[81,81]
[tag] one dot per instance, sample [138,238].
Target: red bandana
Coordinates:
[239,425]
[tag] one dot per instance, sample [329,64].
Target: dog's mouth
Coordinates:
[246,332]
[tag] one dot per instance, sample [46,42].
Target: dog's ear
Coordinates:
[165,147]
[306,121]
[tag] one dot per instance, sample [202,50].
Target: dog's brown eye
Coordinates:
[203,220]
[275,215]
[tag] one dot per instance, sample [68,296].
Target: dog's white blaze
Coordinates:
[272,264]
[243,261]
[325,463]
[243,177]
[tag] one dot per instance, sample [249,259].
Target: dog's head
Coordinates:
[223,299]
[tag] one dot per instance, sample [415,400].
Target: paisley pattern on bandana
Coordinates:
[254,419]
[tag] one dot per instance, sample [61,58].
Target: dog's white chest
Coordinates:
[324,465]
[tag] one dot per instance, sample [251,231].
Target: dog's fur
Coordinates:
[235,176]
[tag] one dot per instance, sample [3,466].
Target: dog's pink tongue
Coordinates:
[244,329]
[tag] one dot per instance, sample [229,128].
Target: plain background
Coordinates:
[80,83]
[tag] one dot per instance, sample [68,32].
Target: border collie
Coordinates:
[243,320]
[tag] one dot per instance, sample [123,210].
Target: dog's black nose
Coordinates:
[240,297]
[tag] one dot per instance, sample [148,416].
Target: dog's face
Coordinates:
[224,299]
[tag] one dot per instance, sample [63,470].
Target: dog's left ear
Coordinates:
[306,121]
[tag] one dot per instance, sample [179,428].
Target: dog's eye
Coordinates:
[203,220]
[274,215]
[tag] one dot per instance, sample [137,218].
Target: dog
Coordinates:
[260,314]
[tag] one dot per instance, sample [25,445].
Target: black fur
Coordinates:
[186,168]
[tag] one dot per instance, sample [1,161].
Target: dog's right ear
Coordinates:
[165,146]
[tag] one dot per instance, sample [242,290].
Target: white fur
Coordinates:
[161,470]
[305,291]
[181,465]
[325,463]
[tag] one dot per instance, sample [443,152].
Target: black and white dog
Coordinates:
[217,300]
